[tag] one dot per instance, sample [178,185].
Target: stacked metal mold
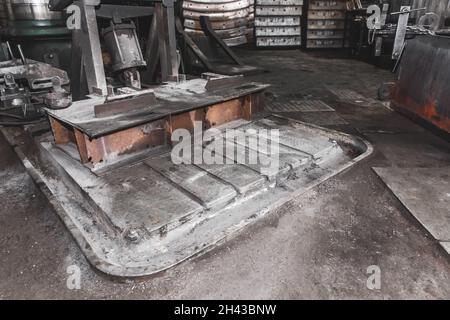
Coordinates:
[232,20]
[326,23]
[278,23]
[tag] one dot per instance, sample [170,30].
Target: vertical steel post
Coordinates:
[90,47]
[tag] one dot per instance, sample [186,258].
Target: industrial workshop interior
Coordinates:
[224,150]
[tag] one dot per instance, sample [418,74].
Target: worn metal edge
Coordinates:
[446,246]
[42,183]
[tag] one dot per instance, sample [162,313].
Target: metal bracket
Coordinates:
[401,30]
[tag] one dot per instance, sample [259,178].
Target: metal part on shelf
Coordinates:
[326,23]
[231,20]
[278,23]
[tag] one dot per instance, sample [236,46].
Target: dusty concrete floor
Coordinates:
[317,246]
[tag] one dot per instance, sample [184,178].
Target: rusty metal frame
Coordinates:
[156,133]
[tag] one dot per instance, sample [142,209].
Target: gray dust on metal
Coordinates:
[149,216]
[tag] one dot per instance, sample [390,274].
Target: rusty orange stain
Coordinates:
[428,111]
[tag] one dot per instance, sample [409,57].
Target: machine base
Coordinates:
[110,139]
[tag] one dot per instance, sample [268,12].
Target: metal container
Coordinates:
[422,82]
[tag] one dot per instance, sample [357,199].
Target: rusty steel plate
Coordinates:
[422,82]
[217,7]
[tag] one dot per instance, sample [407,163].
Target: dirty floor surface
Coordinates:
[317,246]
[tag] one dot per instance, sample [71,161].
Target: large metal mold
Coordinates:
[151,215]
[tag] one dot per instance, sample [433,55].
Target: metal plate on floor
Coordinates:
[412,150]
[297,106]
[353,97]
[425,192]
[446,246]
